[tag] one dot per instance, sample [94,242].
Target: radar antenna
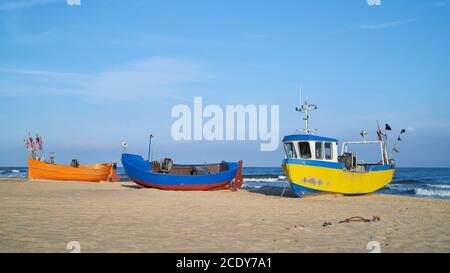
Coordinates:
[306,108]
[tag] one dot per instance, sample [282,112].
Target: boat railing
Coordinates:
[384,157]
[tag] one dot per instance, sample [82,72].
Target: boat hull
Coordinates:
[199,187]
[139,171]
[311,177]
[87,173]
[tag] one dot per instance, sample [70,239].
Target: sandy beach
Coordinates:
[43,216]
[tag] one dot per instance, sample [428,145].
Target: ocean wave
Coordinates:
[256,176]
[260,179]
[439,186]
[406,181]
[10,171]
[426,192]
[400,190]
[397,187]
[266,179]
[250,187]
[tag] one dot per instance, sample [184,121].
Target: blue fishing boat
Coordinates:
[165,175]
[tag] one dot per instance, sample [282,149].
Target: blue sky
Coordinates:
[87,77]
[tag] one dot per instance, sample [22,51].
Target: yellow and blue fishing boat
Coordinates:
[312,163]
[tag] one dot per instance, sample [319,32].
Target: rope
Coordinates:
[284,190]
[360,219]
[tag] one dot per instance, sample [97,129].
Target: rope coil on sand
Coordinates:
[354,219]
[360,219]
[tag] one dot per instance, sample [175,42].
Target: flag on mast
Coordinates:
[31,143]
[401,132]
[27,144]
[395,148]
[379,132]
[39,142]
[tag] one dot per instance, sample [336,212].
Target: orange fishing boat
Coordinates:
[89,173]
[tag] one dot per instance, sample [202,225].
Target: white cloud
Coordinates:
[155,76]
[37,72]
[158,76]
[411,129]
[385,25]
[439,4]
[25,4]
[378,26]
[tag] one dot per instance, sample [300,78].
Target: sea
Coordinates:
[417,182]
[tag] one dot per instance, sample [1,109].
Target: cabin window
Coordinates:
[289,149]
[328,150]
[319,150]
[305,150]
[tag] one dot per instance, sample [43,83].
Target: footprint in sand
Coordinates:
[244,225]
[283,241]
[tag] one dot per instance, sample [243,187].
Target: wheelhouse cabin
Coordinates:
[311,147]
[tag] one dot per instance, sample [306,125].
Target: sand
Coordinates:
[44,216]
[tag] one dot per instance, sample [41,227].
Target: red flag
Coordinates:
[39,142]
[379,133]
[395,149]
[31,142]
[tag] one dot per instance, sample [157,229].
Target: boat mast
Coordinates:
[149,147]
[306,108]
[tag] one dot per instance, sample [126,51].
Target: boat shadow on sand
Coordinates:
[265,190]
[130,186]
[273,191]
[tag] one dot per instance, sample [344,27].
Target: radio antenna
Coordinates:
[306,108]
[300,90]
